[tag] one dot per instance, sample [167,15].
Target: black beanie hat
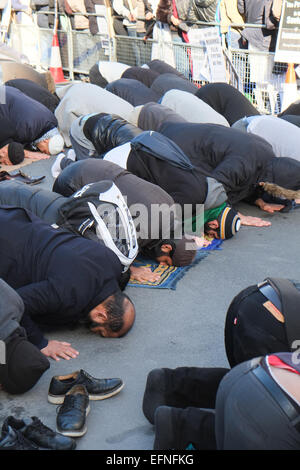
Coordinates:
[15,152]
[229,222]
[24,365]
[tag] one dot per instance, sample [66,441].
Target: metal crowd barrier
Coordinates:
[253,73]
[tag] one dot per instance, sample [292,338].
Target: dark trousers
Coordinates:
[194,391]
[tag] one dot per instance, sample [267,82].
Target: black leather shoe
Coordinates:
[14,440]
[70,420]
[98,389]
[35,431]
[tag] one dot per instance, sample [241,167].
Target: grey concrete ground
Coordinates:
[184,327]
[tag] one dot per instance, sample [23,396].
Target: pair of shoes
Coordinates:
[74,391]
[71,416]
[32,434]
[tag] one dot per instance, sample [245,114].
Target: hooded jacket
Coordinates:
[36,92]
[170,81]
[153,115]
[60,277]
[134,189]
[237,160]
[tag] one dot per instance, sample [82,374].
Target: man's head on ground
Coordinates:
[171,252]
[224,226]
[113,317]
[51,142]
[12,153]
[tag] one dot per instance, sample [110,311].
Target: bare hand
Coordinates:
[202,242]
[143,274]
[253,221]
[36,155]
[268,207]
[149,16]
[56,349]
[175,21]
[131,17]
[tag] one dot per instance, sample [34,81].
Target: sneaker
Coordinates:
[14,440]
[155,393]
[56,169]
[71,155]
[71,416]
[35,431]
[98,389]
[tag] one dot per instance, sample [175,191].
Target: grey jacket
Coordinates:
[203,10]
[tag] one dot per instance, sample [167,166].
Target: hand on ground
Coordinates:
[143,274]
[59,349]
[253,221]
[36,155]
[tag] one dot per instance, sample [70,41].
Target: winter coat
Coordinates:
[36,92]
[164,11]
[161,67]
[184,186]
[60,277]
[237,160]
[134,189]
[153,115]
[169,81]
[226,100]
[191,108]
[90,6]
[27,119]
[84,98]
[203,10]
[230,14]
[80,21]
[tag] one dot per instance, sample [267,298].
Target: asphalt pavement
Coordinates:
[173,328]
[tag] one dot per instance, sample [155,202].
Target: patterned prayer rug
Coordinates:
[170,275]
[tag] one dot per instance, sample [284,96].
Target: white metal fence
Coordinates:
[253,73]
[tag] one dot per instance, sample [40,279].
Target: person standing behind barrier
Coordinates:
[260,39]
[230,15]
[204,11]
[174,14]
[131,10]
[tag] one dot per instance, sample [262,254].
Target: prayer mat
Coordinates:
[170,275]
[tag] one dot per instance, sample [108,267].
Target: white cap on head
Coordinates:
[56,144]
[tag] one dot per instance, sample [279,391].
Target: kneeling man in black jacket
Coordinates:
[63,279]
